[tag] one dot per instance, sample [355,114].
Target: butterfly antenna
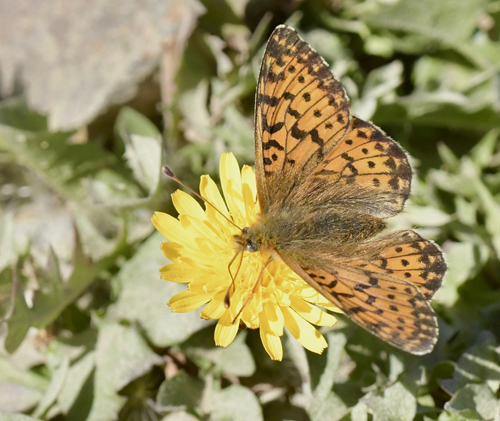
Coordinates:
[170,174]
[227,298]
[254,289]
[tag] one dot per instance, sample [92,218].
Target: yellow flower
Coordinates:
[201,246]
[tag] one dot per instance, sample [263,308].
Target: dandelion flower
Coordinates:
[201,245]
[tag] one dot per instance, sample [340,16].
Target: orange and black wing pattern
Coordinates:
[382,299]
[301,113]
[333,178]
[408,256]
[371,163]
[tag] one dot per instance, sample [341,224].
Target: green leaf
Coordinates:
[122,355]
[56,294]
[450,160]
[74,171]
[131,122]
[18,398]
[380,83]
[464,260]
[323,371]
[235,360]
[7,293]
[474,402]
[480,363]
[143,147]
[236,403]
[15,113]
[449,23]
[359,412]
[180,416]
[481,153]
[55,387]
[329,407]
[181,392]
[426,216]
[71,399]
[396,404]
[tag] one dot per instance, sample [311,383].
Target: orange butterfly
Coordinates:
[326,181]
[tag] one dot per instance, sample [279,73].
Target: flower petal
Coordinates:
[225,331]
[200,230]
[172,251]
[172,229]
[187,301]
[248,177]
[230,180]
[311,313]
[177,272]
[272,345]
[306,334]
[274,317]
[209,190]
[213,310]
[185,254]
[187,205]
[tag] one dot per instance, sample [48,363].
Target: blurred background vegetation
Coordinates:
[96,95]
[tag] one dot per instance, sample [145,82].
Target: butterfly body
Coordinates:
[326,181]
[292,231]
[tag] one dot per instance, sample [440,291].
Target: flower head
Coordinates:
[201,245]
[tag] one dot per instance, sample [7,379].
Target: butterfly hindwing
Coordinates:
[301,113]
[389,307]
[406,255]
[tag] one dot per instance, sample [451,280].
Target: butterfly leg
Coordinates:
[254,289]
[226,298]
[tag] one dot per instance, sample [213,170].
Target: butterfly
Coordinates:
[326,181]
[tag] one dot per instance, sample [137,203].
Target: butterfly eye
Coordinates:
[251,246]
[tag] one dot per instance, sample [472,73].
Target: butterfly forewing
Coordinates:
[373,162]
[301,113]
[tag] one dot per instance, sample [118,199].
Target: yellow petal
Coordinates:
[311,313]
[306,334]
[172,229]
[187,301]
[225,331]
[230,180]
[172,251]
[177,272]
[199,229]
[272,345]
[248,177]
[213,310]
[187,205]
[210,283]
[209,190]
[274,317]
[185,255]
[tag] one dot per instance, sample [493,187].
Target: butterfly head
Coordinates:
[247,240]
